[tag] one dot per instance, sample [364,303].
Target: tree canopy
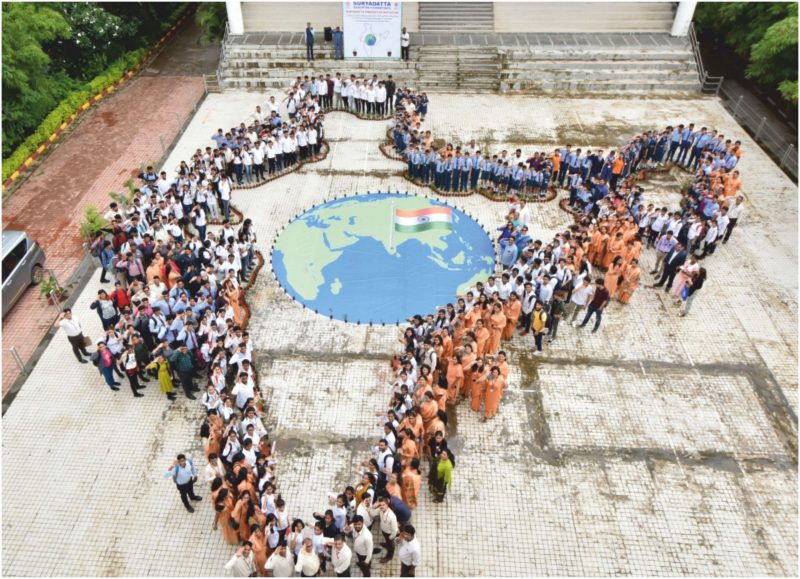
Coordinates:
[764,34]
[50,49]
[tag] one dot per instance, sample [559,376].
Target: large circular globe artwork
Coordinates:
[381,257]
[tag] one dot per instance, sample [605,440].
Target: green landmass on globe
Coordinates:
[320,237]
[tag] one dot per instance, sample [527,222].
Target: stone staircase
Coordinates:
[534,63]
[462,68]
[463,16]
[276,66]
[634,68]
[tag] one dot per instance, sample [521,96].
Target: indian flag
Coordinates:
[423,219]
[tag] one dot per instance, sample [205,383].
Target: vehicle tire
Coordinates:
[37,274]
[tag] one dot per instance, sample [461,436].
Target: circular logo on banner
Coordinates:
[382,257]
[370,40]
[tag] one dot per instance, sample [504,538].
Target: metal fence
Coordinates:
[756,124]
[761,129]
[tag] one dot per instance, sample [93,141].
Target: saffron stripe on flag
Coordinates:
[426,211]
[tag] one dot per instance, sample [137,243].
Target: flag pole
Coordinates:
[391,227]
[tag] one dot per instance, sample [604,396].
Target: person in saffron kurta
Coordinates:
[496,326]
[495,384]
[597,249]
[224,506]
[478,386]
[408,450]
[259,545]
[412,482]
[393,487]
[240,514]
[472,316]
[455,378]
[512,310]
[502,364]
[467,360]
[428,409]
[614,250]
[630,281]
[612,275]
[437,424]
[232,298]
[482,337]
[732,184]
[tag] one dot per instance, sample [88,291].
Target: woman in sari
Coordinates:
[412,482]
[630,281]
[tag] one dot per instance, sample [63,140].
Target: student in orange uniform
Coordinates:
[496,326]
[512,310]
[494,386]
[630,281]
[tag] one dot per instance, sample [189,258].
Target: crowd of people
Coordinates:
[175,313]
[368,97]
[615,223]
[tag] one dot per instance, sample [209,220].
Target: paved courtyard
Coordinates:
[658,446]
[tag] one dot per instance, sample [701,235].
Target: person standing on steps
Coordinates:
[184,476]
[405,43]
[309,42]
[338,44]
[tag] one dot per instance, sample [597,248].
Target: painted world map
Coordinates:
[349,259]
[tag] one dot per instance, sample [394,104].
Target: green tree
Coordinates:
[211,17]
[764,34]
[31,85]
[98,38]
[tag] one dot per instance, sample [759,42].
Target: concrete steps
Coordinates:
[578,17]
[443,68]
[550,63]
[465,16]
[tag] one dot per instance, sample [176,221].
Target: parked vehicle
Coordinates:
[23,265]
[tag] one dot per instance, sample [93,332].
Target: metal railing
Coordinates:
[761,129]
[771,140]
[708,84]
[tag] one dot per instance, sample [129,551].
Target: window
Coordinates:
[11,261]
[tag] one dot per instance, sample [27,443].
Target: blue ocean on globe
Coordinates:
[356,259]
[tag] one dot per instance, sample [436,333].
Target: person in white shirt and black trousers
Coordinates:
[410,553]
[72,327]
[184,475]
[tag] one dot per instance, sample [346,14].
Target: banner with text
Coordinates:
[372,29]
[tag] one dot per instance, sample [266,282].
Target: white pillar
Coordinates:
[235,20]
[683,17]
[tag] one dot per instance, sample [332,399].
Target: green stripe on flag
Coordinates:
[423,227]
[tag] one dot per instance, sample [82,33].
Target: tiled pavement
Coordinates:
[658,446]
[107,147]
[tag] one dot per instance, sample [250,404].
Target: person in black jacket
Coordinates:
[672,262]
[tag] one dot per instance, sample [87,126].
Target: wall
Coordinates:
[583,17]
[292,16]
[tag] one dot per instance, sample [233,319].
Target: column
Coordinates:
[683,17]
[235,20]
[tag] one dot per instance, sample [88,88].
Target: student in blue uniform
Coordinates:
[448,170]
[674,141]
[466,166]
[687,136]
[546,172]
[438,180]
[497,175]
